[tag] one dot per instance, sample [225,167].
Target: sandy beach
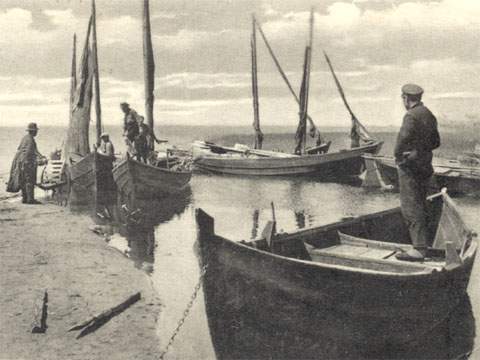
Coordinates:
[44,247]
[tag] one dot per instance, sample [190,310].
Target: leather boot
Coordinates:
[31,194]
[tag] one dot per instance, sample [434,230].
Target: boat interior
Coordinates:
[372,241]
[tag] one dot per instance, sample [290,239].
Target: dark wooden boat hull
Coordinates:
[457,182]
[137,180]
[345,163]
[368,307]
[91,178]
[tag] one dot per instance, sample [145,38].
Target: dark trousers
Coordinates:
[28,179]
[413,195]
[141,157]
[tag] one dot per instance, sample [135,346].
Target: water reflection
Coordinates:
[160,239]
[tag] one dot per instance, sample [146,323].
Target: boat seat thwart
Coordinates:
[351,246]
[356,249]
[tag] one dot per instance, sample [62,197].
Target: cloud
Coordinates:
[457,95]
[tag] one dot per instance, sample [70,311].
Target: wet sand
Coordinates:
[44,247]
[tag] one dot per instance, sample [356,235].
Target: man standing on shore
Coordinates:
[417,138]
[23,173]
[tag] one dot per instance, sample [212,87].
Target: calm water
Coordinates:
[165,246]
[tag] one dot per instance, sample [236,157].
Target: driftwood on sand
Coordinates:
[97,321]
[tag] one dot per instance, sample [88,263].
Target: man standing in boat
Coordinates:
[130,125]
[417,138]
[23,173]
[148,133]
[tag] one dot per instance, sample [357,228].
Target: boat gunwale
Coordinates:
[423,271]
[312,157]
[170,171]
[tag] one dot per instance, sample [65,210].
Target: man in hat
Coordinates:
[130,125]
[23,173]
[106,146]
[417,138]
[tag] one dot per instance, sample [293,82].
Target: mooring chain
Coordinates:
[186,312]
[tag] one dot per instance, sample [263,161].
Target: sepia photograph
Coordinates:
[239,179]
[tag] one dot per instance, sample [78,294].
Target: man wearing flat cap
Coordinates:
[417,138]
[106,146]
[23,173]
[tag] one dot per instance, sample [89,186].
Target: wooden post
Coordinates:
[96,77]
[148,67]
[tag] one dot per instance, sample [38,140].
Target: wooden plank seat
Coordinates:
[361,249]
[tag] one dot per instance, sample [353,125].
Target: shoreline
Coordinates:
[45,247]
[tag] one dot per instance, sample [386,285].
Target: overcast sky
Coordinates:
[202,55]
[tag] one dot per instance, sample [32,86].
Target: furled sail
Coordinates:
[77,136]
[96,76]
[301,134]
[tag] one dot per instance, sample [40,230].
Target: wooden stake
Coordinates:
[43,320]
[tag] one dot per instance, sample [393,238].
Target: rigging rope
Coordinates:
[282,73]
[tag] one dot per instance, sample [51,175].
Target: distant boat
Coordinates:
[332,165]
[136,179]
[458,178]
[316,160]
[348,271]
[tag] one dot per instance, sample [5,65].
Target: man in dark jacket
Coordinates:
[23,173]
[417,138]
[130,125]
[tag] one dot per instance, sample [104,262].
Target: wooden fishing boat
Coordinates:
[344,277]
[314,160]
[93,173]
[458,178]
[332,165]
[137,180]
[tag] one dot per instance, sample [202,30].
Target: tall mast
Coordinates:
[73,74]
[96,78]
[148,65]
[256,114]
[308,60]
